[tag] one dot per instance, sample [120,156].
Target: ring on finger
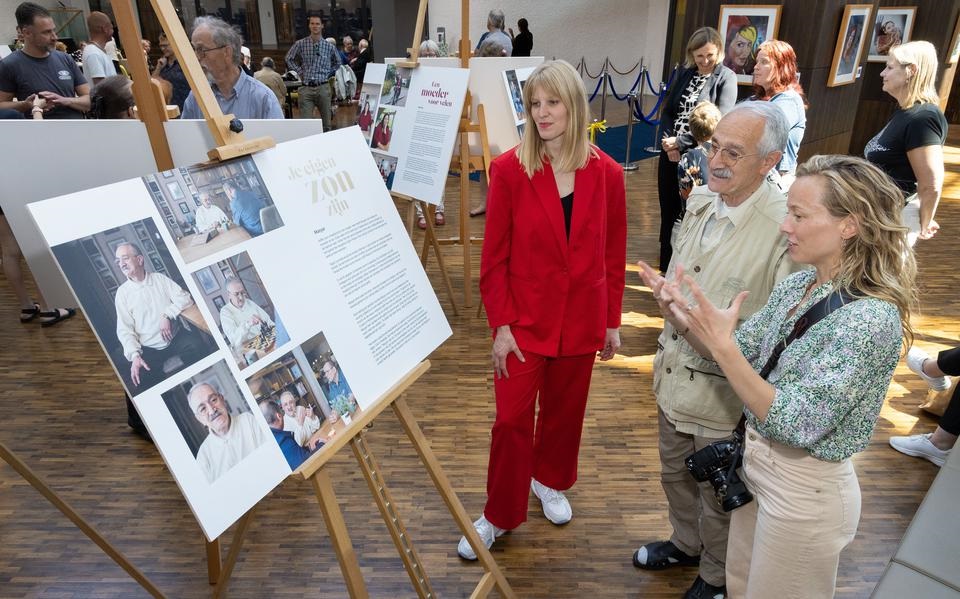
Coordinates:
[691,306]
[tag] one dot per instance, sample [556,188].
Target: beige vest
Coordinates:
[693,392]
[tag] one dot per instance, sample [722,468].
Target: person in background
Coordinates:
[272,79]
[112,98]
[349,52]
[146,46]
[694,166]
[293,452]
[776,79]
[703,78]
[96,64]
[360,62]
[551,280]
[909,148]
[429,49]
[39,71]
[168,69]
[315,60]
[808,413]
[523,41]
[217,45]
[936,446]
[245,208]
[245,59]
[495,34]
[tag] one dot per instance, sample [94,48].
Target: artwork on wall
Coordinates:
[892,27]
[743,27]
[850,41]
[955,44]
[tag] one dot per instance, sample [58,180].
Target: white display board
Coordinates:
[514,80]
[486,87]
[90,154]
[410,118]
[349,308]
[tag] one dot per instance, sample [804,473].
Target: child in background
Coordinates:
[693,168]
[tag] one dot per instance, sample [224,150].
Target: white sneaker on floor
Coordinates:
[488,534]
[919,446]
[555,505]
[915,359]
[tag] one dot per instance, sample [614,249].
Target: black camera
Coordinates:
[718,463]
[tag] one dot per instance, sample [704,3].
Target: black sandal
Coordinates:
[30,313]
[56,316]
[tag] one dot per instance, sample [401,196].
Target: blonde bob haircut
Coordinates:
[557,78]
[877,261]
[700,38]
[923,56]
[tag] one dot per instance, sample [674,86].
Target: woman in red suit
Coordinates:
[551,279]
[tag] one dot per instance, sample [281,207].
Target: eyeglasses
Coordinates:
[727,156]
[202,52]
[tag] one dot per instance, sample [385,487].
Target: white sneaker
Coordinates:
[488,534]
[555,505]
[919,446]
[915,359]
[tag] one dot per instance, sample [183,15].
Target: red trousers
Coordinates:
[517,453]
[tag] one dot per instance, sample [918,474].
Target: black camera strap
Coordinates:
[816,313]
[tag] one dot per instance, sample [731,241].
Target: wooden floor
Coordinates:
[64,414]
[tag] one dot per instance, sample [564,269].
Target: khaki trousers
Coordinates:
[786,543]
[697,519]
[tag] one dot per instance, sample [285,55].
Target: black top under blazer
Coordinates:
[720,88]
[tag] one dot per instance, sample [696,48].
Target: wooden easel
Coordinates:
[314,470]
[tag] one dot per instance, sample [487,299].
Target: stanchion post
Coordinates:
[654,149]
[603,92]
[631,104]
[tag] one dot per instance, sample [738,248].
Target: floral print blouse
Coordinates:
[830,382]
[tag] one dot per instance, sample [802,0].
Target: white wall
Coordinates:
[8,22]
[624,30]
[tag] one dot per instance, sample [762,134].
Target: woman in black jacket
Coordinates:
[703,78]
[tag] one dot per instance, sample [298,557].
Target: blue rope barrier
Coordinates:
[650,84]
[626,95]
[656,107]
[596,91]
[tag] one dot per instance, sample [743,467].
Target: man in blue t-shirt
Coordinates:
[245,207]
[293,452]
[40,71]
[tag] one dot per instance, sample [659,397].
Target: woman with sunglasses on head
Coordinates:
[551,280]
[811,400]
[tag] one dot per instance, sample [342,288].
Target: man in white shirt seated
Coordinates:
[209,215]
[148,305]
[299,420]
[241,319]
[231,438]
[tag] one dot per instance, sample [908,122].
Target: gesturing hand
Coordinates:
[503,345]
[711,325]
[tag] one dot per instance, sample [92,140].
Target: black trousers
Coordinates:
[949,362]
[671,206]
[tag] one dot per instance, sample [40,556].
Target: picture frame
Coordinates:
[173,187]
[207,280]
[851,39]
[218,302]
[893,26]
[184,208]
[743,27]
[954,54]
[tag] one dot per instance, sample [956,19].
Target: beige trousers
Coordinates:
[786,543]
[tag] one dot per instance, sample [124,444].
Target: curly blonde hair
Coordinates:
[878,261]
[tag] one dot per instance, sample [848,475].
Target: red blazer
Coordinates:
[558,296]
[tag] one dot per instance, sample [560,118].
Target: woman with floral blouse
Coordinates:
[819,405]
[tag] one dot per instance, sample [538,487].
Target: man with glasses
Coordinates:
[217,45]
[168,68]
[729,241]
[315,60]
[148,305]
[231,438]
[242,319]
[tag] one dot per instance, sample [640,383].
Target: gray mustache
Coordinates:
[721,173]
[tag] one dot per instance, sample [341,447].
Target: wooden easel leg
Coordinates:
[238,536]
[346,557]
[493,578]
[44,489]
[430,240]
[213,560]
[398,532]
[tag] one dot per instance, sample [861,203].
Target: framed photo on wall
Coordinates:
[207,281]
[955,44]
[892,27]
[850,42]
[743,27]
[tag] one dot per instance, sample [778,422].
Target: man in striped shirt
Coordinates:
[315,60]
